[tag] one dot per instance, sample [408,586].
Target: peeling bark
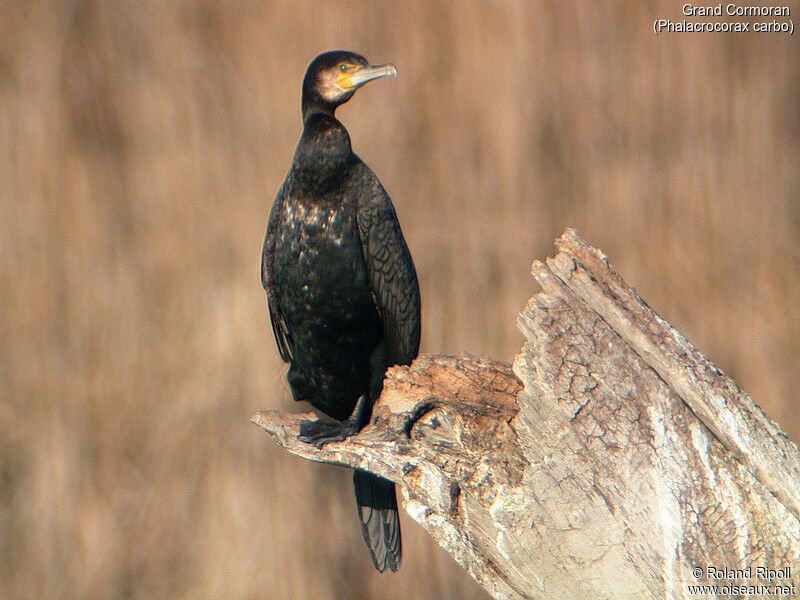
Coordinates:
[612,461]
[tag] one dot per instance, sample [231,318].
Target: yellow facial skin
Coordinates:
[343,80]
[345,77]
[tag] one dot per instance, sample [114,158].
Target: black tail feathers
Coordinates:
[377,511]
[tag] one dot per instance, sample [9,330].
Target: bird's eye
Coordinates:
[342,67]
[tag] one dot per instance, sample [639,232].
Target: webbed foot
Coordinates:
[321,432]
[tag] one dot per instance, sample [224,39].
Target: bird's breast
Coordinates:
[320,266]
[322,226]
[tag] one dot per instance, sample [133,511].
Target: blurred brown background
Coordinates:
[140,149]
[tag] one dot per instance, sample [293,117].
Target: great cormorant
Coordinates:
[341,287]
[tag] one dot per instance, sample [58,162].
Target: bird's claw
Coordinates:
[322,432]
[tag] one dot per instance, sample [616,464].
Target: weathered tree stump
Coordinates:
[618,463]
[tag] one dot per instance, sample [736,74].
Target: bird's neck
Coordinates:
[323,155]
[312,103]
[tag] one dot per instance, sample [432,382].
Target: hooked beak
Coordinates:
[363,75]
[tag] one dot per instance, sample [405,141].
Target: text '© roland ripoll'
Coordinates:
[780,22]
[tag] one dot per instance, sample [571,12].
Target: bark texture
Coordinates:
[612,461]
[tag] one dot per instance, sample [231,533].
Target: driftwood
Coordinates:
[616,462]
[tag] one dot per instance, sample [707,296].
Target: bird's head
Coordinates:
[333,77]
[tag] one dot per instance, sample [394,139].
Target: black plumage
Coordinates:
[341,286]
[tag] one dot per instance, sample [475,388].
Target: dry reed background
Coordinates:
[140,147]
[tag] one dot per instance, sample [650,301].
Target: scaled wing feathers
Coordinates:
[392,275]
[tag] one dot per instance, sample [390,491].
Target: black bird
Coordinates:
[341,287]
